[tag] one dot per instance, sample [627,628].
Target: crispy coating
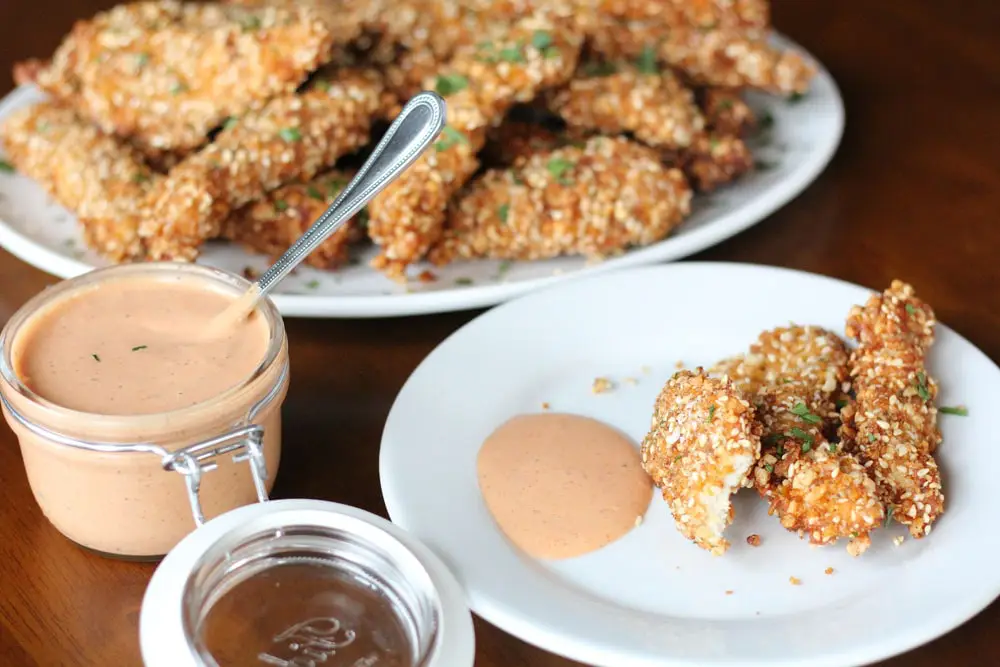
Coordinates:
[893,421]
[98,177]
[703,441]
[271,225]
[163,74]
[815,487]
[715,56]
[712,160]
[596,200]
[291,139]
[483,82]
[726,113]
[747,15]
[656,108]
[515,141]
[343,18]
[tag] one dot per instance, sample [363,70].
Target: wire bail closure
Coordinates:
[244,443]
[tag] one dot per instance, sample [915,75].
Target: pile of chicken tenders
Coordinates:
[836,442]
[575,127]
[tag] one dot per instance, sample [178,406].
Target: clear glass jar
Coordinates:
[299,583]
[134,485]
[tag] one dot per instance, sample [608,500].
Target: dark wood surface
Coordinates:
[914,193]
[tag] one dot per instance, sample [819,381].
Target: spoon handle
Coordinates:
[416,126]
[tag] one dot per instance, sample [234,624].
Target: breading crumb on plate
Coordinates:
[702,444]
[602,385]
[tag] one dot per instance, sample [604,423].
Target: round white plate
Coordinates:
[653,598]
[793,150]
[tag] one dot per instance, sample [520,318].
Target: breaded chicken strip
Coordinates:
[702,444]
[271,225]
[892,422]
[291,139]
[712,160]
[515,141]
[480,84]
[816,488]
[164,74]
[726,112]
[613,99]
[98,177]
[596,200]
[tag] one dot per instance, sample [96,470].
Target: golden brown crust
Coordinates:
[291,139]
[726,113]
[596,199]
[892,422]
[271,225]
[164,74]
[712,160]
[702,443]
[98,177]
[816,488]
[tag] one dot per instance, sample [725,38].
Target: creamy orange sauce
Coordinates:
[129,347]
[562,485]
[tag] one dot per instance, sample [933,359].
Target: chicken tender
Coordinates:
[892,423]
[164,74]
[98,177]
[702,444]
[596,200]
[712,161]
[291,139]
[726,112]
[816,488]
[270,226]
[481,84]
[654,107]
[515,141]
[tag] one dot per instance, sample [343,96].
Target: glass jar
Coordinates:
[134,485]
[303,583]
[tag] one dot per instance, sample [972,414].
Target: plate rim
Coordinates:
[672,248]
[513,622]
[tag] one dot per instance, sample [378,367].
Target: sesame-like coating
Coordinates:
[726,112]
[164,74]
[97,176]
[892,422]
[595,200]
[702,443]
[291,139]
[655,108]
[271,225]
[815,487]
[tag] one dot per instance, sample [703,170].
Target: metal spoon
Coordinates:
[416,126]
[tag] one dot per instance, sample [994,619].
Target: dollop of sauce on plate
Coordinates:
[128,347]
[562,485]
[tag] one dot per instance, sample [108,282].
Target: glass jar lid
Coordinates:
[303,583]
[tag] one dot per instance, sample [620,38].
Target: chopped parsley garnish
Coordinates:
[800,410]
[678,458]
[807,440]
[871,437]
[512,54]
[922,386]
[646,63]
[763,165]
[448,84]
[312,284]
[140,178]
[6,167]
[768,467]
[449,137]
[503,211]
[833,446]
[780,450]
[766,121]
[841,404]
[713,144]
[290,134]
[599,69]
[280,205]
[96,358]
[888,517]
[230,123]
[724,105]
[139,347]
[314,193]
[463,281]
[910,310]
[503,268]
[250,22]
[178,88]
[141,59]
[486,52]
[362,218]
[551,52]
[959,410]
[541,40]
[711,413]
[558,167]
[334,187]
[771,438]
[323,85]
[795,98]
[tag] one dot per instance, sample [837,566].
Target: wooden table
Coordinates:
[914,193]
